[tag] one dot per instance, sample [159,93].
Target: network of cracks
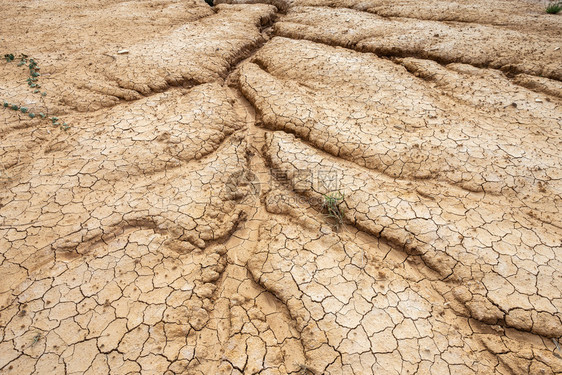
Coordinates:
[303,187]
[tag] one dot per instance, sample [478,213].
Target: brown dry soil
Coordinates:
[180,225]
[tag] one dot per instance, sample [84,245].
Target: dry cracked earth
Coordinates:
[182,224]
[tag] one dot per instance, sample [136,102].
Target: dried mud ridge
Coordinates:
[178,227]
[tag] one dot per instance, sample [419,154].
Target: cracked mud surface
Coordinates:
[180,225]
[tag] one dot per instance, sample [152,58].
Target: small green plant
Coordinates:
[23,59]
[332,206]
[36,339]
[554,7]
[32,82]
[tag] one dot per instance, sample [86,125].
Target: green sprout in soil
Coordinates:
[35,339]
[554,8]
[332,206]
[32,82]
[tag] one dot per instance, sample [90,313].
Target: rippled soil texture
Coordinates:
[286,187]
